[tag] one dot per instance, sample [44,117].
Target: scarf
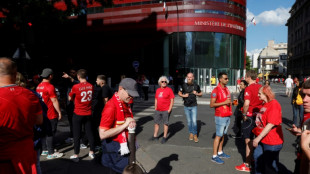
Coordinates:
[120,119]
[223,94]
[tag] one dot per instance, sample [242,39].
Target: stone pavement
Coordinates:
[178,155]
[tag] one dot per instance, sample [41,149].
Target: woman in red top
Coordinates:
[269,142]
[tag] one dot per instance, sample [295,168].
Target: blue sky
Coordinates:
[270,17]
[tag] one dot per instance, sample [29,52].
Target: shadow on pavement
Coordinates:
[141,122]
[66,166]
[174,128]
[287,122]
[283,169]
[163,166]
[199,125]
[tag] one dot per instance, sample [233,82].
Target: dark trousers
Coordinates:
[77,122]
[96,118]
[47,142]
[69,109]
[145,92]
[238,121]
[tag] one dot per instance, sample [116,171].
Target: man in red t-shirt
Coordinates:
[115,119]
[221,102]
[20,111]
[251,106]
[48,93]
[82,95]
[164,99]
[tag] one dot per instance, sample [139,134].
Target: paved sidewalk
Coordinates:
[178,155]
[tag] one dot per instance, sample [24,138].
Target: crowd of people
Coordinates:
[107,118]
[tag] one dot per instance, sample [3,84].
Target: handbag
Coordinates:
[257,130]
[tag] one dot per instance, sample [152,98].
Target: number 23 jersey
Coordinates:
[82,94]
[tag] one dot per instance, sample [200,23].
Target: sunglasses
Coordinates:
[163,81]
[226,78]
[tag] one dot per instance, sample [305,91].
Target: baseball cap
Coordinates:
[46,72]
[130,85]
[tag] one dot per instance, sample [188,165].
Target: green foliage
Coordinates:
[248,63]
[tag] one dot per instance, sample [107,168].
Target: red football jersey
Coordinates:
[251,93]
[47,91]
[82,94]
[19,109]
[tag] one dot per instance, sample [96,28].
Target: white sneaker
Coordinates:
[44,152]
[74,158]
[54,155]
[91,155]
[83,146]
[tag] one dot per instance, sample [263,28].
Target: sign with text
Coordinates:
[220,24]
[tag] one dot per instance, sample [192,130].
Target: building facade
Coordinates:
[172,37]
[299,39]
[272,60]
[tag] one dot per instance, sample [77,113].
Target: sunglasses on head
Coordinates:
[163,81]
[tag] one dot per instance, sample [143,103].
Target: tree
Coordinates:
[248,63]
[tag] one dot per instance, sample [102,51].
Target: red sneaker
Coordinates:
[243,167]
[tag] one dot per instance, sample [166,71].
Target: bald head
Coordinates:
[7,67]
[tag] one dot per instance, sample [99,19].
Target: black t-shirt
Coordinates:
[191,99]
[97,100]
[107,92]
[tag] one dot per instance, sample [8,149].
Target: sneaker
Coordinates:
[74,158]
[191,137]
[44,152]
[236,136]
[91,155]
[243,167]
[196,139]
[69,140]
[153,138]
[83,146]
[217,160]
[164,140]
[54,155]
[223,155]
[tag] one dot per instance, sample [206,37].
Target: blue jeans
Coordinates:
[267,158]
[298,109]
[191,116]
[38,166]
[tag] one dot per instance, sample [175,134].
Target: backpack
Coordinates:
[299,99]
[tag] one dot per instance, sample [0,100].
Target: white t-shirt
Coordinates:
[289,82]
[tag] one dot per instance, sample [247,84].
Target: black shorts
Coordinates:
[247,127]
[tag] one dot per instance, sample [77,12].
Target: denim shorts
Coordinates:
[222,124]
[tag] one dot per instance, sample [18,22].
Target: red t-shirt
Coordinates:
[19,108]
[47,91]
[271,113]
[163,96]
[82,94]
[218,111]
[251,93]
[108,116]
